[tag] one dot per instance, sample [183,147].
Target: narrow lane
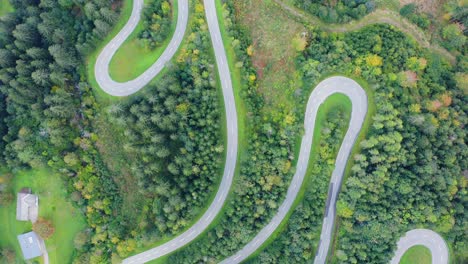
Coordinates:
[323,90]
[101,69]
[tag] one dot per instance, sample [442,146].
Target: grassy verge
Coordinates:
[5,7]
[53,205]
[416,255]
[133,58]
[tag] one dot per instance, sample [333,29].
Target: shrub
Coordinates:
[44,228]
[408,9]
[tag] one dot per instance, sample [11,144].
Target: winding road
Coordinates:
[424,237]
[101,68]
[323,90]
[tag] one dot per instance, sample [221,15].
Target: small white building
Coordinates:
[27,206]
[30,245]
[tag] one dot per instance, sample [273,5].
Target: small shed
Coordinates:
[30,245]
[27,206]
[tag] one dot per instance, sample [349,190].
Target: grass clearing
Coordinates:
[5,7]
[53,205]
[102,97]
[133,57]
[274,55]
[417,255]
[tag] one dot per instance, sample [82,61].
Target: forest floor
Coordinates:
[386,16]
[417,255]
[53,205]
[133,57]
[5,7]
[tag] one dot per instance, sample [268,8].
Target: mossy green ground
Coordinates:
[5,7]
[417,255]
[53,205]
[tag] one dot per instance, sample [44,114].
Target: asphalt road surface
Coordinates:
[130,87]
[323,90]
[101,69]
[424,237]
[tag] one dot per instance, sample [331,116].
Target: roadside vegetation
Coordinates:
[54,206]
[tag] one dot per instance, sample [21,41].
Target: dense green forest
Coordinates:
[340,11]
[411,171]
[157,23]
[49,106]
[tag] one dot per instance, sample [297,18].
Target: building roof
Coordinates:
[27,207]
[30,245]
